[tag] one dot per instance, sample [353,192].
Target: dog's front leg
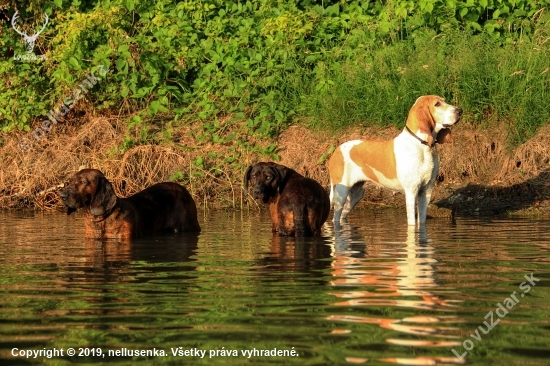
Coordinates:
[410,199]
[423,206]
[274,216]
[339,195]
[424,198]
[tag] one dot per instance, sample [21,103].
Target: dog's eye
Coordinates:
[437,104]
[267,177]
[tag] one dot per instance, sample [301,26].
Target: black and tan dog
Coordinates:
[162,206]
[298,205]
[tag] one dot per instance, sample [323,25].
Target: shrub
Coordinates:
[269,61]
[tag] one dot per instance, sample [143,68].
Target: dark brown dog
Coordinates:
[159,207]
[298,205]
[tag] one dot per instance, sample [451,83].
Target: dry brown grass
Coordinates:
[476,157]
[33,179]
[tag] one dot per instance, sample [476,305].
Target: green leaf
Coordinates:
[136,120]
[176,176]
[429,8]
[156,107]
[326,155]
[129,4]
[385,26]
[279,116]
[74,63]
[473,17]
[122,66]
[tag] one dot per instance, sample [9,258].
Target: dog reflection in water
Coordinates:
[288,253]
[109,260]
[406,282]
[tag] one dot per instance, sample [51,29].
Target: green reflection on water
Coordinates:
[364,295]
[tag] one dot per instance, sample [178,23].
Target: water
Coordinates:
[373,292]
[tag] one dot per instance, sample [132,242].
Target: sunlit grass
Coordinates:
[377,86]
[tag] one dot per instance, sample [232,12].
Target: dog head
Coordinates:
[89,188]
[267,180]
[432,116]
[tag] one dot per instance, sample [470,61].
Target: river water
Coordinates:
[372,292]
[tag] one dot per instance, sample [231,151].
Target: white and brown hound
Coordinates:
[408,163]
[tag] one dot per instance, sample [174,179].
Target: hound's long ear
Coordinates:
[423,115]
[444,136]
[104,198]
[281,173]
[246,179]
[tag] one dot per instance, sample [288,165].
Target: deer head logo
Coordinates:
[29,40]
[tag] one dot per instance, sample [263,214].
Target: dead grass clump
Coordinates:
[300,149]
[31,178]
[474,155]
[143,166]
[528,160]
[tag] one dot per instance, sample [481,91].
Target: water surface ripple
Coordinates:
[372,291]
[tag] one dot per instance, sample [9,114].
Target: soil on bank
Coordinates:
[478,174]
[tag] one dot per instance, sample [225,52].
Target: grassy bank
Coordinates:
[491,82]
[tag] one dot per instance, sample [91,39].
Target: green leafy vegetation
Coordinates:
[333,63]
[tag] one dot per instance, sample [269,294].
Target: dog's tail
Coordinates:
[301,223]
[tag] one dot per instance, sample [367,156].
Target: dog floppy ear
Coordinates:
[423,115]
[281,173]
[104,198]
[246,179]
[420,118]
[444,136]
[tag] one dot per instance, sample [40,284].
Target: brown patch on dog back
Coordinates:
[375,155]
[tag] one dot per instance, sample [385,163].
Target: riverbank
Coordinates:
[263,81]
[479,174]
